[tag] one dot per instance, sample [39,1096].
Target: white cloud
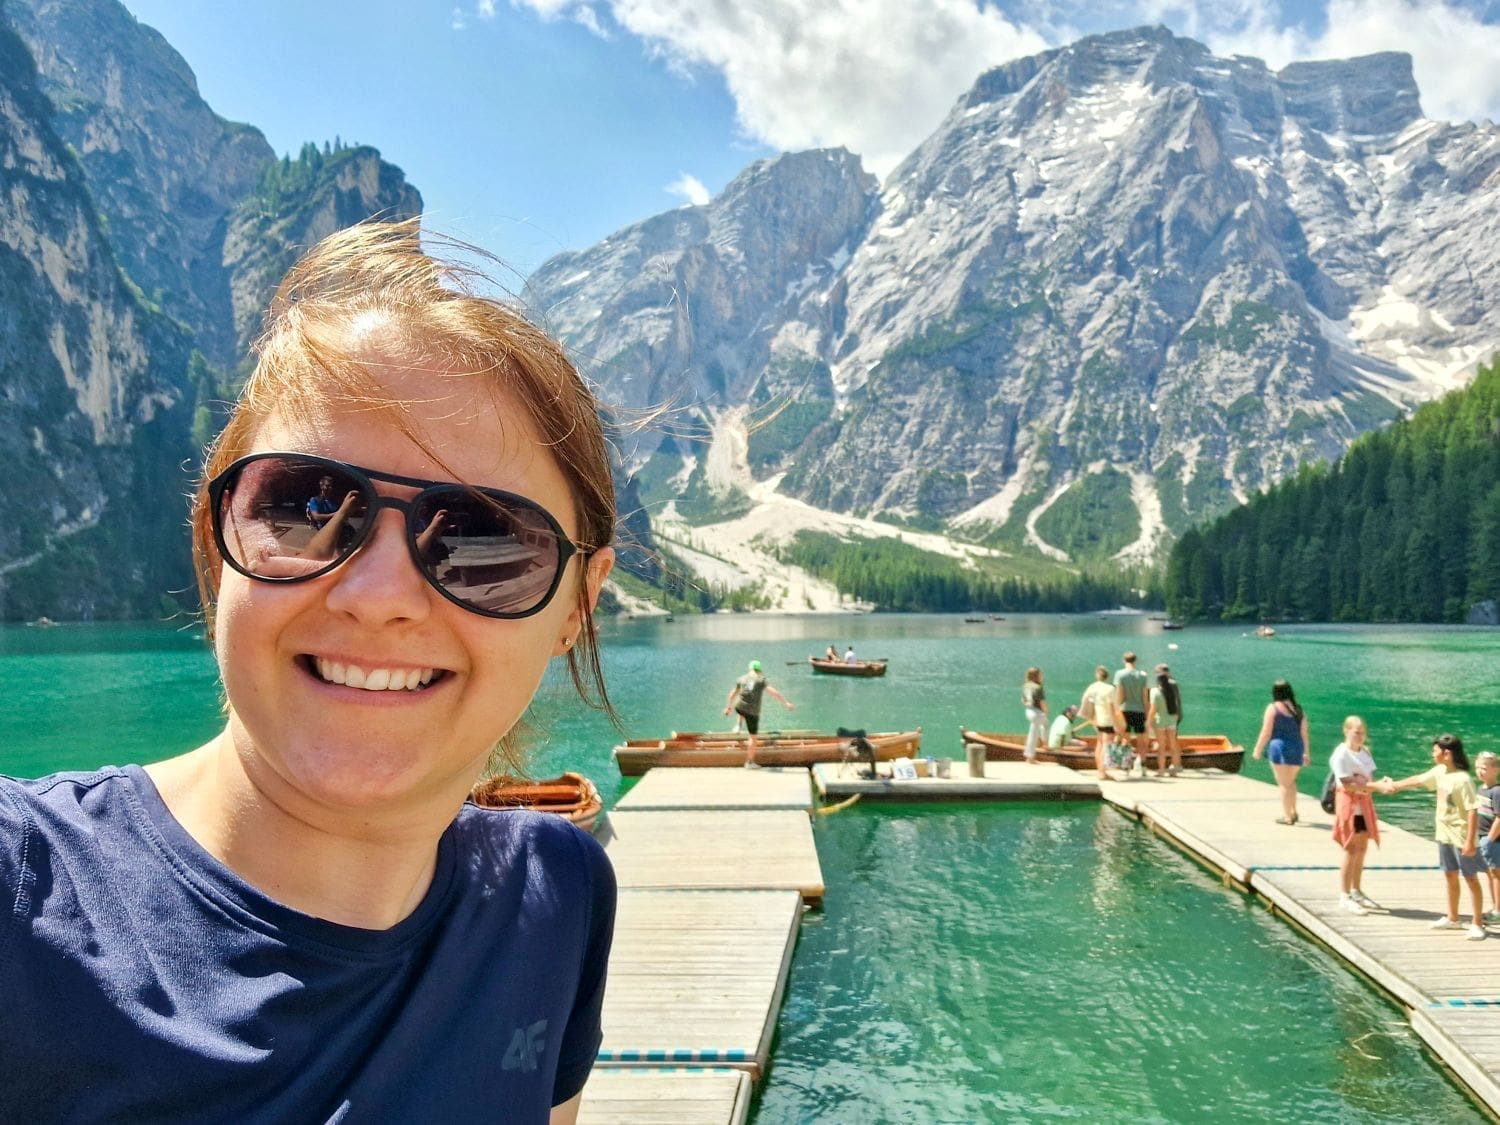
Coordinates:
[1455,55]
[872,75]
[690,187]
[458,20]
[876,76]
[485,9]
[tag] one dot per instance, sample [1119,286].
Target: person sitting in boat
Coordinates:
[304,918]
[1060,734]
[745,699]
[832,654]
[849,657]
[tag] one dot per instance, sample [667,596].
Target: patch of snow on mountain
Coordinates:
[1153,527]
[725,465]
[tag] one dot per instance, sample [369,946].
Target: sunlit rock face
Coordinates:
[1124,283]
[141,236]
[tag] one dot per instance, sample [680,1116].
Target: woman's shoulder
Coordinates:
[510,836]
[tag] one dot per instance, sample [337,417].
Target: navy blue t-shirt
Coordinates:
[142,980]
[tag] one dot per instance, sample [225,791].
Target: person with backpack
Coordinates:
[1354,823]
[745,698]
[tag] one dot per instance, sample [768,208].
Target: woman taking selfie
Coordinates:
[302,920]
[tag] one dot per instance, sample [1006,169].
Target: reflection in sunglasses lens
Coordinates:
[285,518]
[496,555]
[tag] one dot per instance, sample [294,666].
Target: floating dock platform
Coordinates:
[1002,781]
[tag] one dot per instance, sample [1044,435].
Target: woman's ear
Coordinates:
[601,562]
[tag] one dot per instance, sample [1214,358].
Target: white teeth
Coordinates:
[374,679]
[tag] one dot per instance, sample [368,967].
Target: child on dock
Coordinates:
[1457,827]
[1487,766]
[1354,823]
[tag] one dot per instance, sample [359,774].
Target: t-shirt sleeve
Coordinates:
[1430,778]
[584,1033]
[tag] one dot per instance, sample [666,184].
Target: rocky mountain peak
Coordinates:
[1123,285]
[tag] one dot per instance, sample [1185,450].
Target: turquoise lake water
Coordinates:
[975,963]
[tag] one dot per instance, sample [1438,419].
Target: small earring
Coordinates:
[567,642]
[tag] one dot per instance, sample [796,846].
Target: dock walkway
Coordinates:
[1447,984]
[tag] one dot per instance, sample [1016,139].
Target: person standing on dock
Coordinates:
[1283,735]
[1131,700]
[745,700]
[1457,830]
[305,918]
[1487,766]
[1163,716]
[1098,707]
[1354,822]
[1034,700]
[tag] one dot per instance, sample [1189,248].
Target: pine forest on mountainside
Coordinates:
[1404,527]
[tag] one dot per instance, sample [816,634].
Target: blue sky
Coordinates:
[534,126]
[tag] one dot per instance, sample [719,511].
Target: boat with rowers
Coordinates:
[772,748]
[1199,751]
[823,666]
[570,796]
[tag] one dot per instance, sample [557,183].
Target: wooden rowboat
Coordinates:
[843,668]
[638,755]
[1199,751]
[571,796]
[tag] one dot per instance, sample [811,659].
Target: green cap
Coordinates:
[755,665]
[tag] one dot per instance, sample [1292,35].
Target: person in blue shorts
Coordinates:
[1456,829]
[1283,735]
[304,919]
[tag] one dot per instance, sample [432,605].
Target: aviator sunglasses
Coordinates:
[291,517]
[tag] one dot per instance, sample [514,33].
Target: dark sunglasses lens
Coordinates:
[285,517]
[496,555]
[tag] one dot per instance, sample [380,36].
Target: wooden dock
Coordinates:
[733,849]
[1446,983]
[697,977]
[1002,781]
[683,1096]
[776,787]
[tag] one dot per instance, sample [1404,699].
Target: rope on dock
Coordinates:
[680,1055]
[829,810]
[1480,1002]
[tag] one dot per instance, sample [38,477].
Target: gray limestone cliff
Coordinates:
[91,387]
[141,236]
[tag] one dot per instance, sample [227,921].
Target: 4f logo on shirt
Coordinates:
[526,1045]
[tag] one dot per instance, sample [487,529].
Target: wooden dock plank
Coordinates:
[698,976]
[728,850]
[1001,781]
[1469,1042]
[666,1096]
[776,787]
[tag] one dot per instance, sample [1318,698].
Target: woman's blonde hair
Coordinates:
[373,289]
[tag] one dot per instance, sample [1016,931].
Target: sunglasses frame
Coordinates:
[365,479]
